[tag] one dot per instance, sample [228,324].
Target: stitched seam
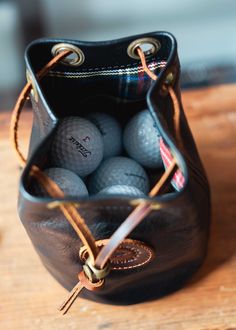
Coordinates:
[117,68]
[134,246]
[133,65]
[136,254]
[92,73]
[137,265]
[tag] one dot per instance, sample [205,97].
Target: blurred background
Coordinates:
[205,31]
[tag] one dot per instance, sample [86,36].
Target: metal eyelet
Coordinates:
[94,274]
[33,91]
[75,59]
[150,46]
[168,81]
[169,78]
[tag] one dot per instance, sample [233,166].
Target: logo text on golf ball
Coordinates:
[81,149]
[86,139]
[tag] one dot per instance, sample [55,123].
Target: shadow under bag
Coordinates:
[113,248]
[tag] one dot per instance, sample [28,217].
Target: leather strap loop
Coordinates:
[91,286]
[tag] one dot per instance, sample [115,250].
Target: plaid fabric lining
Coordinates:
[178,178]
[130,71]
[128,82]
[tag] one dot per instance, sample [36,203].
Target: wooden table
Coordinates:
[30,296]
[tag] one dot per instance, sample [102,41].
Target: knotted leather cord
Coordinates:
[99,259]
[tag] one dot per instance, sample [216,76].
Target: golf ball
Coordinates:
[141,140]
[111,133]
[77,146]
[118,171]
[69,182]
[122,190]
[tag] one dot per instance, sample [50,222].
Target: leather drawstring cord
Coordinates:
[170,90]
[49,185]
[144,208]
[21,102]
[69,211]
[98,261]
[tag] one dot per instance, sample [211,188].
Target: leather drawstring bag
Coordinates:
[117,248]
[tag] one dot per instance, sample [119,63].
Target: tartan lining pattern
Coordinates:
[178,178]
[115,72]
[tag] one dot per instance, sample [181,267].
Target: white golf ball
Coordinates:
[122,190]
[119,171]
[111,132]
[141,140]
[77,146]
[69,182]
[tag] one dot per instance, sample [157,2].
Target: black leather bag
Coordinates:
[168,243]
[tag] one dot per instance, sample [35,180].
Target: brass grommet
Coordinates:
[75,59]
[94,274]
[154,46]
[33,91]
[169,78]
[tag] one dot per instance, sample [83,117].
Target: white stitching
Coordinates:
[90,73]
[117,66]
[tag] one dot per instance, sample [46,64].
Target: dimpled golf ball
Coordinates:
[141,140]
[122,190]
[118,171]
[70,183]
[77,146]
[111,132]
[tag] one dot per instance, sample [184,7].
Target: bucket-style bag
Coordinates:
[121,247]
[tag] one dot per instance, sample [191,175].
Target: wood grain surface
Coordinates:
[30,296]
